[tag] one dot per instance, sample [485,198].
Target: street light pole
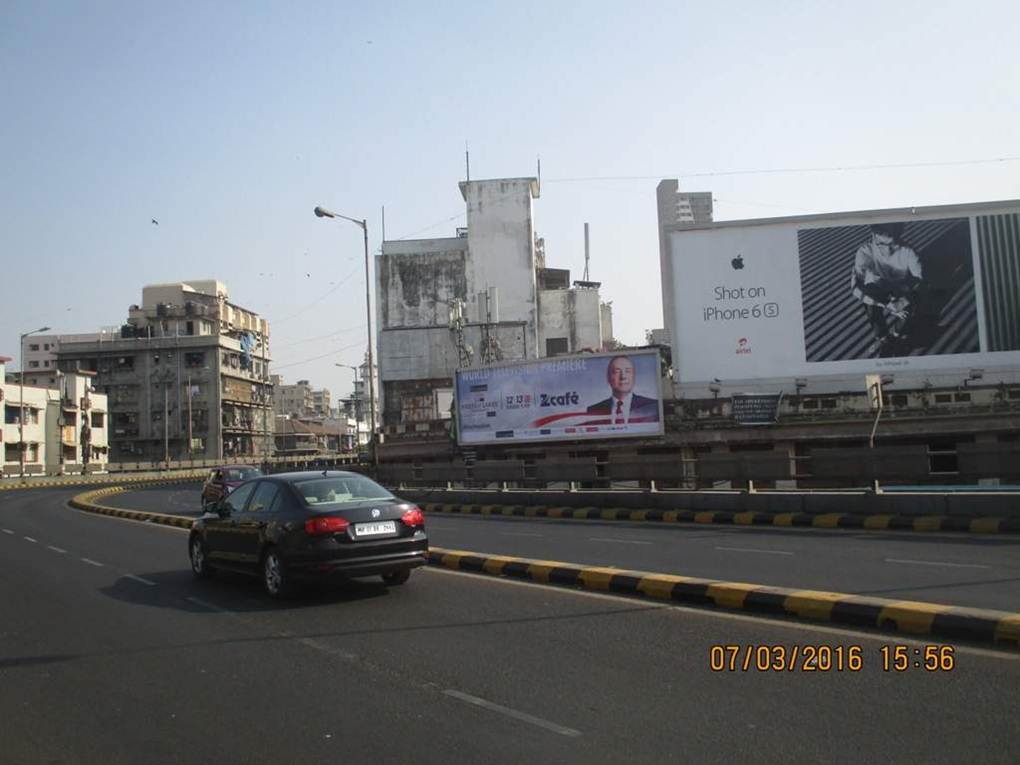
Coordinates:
[324,213]
[21,402]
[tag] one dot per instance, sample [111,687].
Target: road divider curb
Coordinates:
[852,521]
[87,502]
[910,617]
[107,480]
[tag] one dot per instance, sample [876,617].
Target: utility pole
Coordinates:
[166,423]
[21,402]
[191,454]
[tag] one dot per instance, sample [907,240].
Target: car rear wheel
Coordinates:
[200,558]
[275,580]
[397,577]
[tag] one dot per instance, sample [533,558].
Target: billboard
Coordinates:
[922,289]
[564,398]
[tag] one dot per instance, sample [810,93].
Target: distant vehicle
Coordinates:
[223,480]
[291,527]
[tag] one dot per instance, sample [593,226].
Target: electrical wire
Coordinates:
[319,299]
[316,358]
[779,170]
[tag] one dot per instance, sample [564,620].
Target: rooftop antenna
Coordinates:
[467,161]
[539,173]
[587,252]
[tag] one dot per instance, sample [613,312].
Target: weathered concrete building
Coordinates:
[482,296]
[187,377]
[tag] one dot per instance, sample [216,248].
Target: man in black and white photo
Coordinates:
[625,406]
[886,279]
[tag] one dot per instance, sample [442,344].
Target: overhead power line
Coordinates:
[779,170]
[333,352]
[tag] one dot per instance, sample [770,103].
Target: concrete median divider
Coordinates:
[910,617]
[854,521]
[88,501]
[903,616]
[56,482]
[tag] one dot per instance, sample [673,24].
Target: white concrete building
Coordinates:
[66,423]
[482,296]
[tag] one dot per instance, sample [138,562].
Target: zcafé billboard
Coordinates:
[566,398]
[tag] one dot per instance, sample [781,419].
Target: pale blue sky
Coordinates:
[229,122]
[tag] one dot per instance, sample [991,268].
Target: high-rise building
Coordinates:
[676,208]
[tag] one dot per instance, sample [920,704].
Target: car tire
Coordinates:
[275,580]
[199,555]
[395,578]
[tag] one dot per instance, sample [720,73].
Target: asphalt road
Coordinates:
[949,568]
[111,653]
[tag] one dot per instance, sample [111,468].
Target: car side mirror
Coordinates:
[222,509]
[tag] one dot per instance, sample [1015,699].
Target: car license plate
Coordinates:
[374,529]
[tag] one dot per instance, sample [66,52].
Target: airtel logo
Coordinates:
[743,346]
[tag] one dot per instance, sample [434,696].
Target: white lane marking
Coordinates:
[519,534]
[748,549]
[619,541]
[204,604]
[8,531]
[934,563]
[56,549]
[30,539]
[139,579]
[517,715]
[92,562]
[693,612]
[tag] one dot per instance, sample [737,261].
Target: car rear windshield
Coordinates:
[328,490]
[241,474]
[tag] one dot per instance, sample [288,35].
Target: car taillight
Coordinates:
[413,517]
[326,524]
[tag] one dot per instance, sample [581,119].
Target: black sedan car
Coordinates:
[294,526]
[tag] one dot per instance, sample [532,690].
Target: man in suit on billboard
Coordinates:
[625,406]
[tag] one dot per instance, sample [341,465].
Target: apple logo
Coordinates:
[737,262]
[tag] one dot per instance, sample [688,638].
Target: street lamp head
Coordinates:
[322,213]
[43,329]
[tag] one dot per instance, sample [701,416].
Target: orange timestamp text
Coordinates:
[828,658]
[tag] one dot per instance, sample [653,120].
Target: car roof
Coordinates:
[305,475]
[235,467]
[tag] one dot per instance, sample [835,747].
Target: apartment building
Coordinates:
[187,377]
[66,423]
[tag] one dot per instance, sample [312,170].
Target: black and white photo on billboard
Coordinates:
[888,290]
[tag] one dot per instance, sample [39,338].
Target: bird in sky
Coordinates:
[155,222]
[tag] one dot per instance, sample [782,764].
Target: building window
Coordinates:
[943,398]
[556,345]
[98,418]
[828,403]
[189,328]
[33,346]
[33,364]
[194,359]
[810,404]
[962,397]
